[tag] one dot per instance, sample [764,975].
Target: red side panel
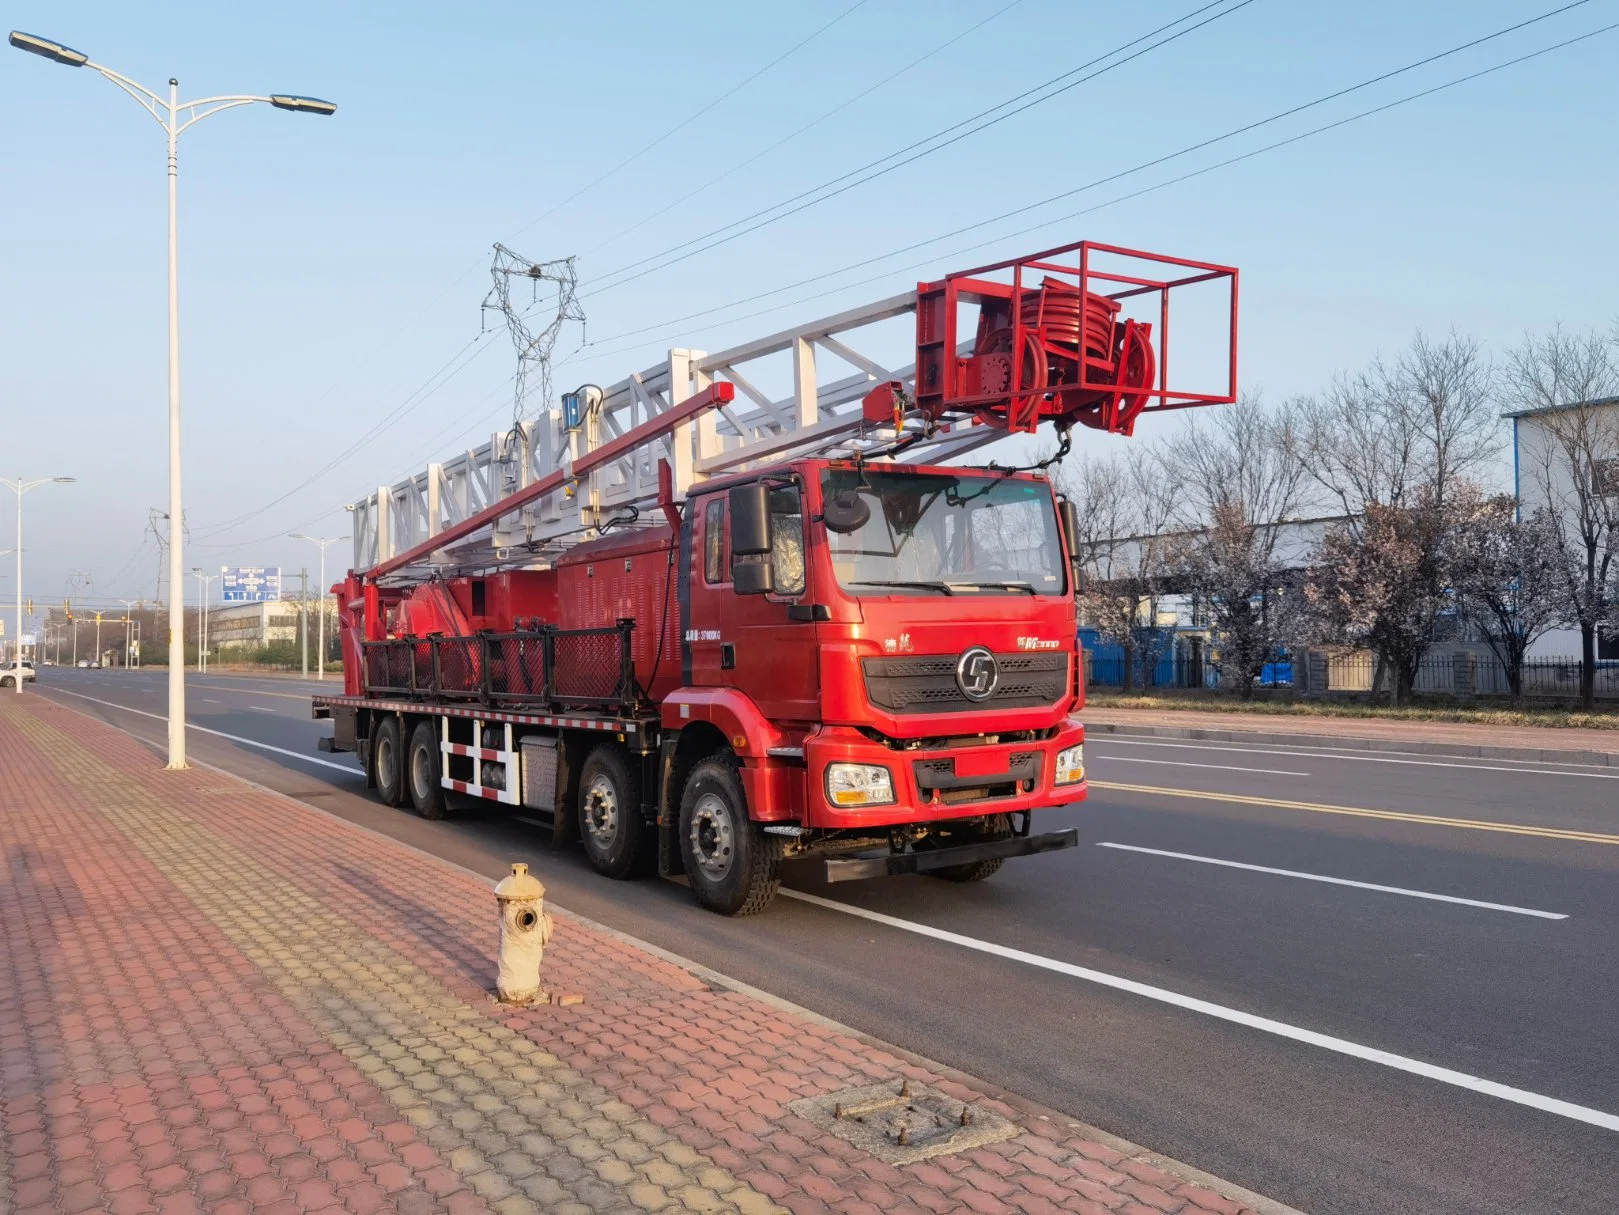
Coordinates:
[629,576]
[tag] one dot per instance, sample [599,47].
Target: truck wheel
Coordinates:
[995,827]
[388,761]
[733,865]
[610,824]
[426,793]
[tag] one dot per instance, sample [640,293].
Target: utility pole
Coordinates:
[303,616]
[320,661]
[98,640]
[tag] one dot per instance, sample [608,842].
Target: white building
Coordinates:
[1566,458]
[260,624]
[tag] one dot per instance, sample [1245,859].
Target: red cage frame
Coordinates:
[942,379]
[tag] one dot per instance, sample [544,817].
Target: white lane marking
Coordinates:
[351,769]
[1177,763]
[209,700]
[1341,1046]
[1317,877]
[1112,741]
[260,709]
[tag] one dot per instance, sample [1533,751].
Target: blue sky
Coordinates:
[331,266]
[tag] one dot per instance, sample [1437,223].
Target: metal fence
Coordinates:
[1464,673]
[1460,673]
[548,668]
[1175,671]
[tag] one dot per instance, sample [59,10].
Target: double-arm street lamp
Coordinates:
[21,487]
[174,116]
[320,663]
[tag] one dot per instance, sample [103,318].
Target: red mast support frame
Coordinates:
[1046,352]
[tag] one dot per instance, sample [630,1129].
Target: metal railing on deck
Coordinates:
[547,667]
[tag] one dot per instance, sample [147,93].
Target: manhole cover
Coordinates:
[900,1122]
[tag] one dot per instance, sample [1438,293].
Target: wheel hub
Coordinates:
[601,811]
[713,836]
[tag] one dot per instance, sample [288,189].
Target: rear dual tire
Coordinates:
[408,774]
[617,839]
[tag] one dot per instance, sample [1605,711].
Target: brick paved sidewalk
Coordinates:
[215,998]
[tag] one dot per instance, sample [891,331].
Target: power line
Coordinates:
[871,171]
[405,407]
[709,183]
[1156,161]
[686,122]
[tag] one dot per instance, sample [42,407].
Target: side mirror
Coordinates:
[750,520]
[753,577]
[1070,527]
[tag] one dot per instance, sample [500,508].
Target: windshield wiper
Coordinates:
[1005,586]
[943,588]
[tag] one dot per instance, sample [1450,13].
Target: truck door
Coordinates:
[708,593]
[763,653]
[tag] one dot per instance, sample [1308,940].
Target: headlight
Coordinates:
[858,785]
[1071,765]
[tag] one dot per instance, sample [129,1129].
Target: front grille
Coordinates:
[928,685]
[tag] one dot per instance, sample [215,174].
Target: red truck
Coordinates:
[718,638]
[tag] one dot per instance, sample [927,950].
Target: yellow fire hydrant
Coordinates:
[524,930]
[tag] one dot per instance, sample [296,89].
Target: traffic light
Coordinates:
[67,608]
[30,607]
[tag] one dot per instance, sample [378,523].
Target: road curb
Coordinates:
[1342,742]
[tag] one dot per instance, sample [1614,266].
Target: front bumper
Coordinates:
[940,784]
[849,869]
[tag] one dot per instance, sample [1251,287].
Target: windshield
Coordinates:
[941,534]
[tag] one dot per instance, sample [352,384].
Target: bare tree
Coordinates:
[1124,510]
[1507,574]
[1392,446]
[1379,584]
[1240,477]
[1563,387]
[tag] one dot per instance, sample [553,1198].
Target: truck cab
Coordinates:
[894,647]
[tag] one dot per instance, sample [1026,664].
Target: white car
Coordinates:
[8,674]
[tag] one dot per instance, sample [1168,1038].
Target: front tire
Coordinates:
[734,867]
[610,823]
[994,827]
[388,762]
[426,791]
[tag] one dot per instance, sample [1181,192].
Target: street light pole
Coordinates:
[203,581]
[320,661]
[21,487]
[129,610]
[167,114]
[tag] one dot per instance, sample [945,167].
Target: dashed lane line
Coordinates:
[1310,1037]
[1335,881]
[1397,816]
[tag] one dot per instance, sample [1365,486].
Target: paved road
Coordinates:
[1337,1047]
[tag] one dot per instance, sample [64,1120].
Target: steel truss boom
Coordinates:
[1078,341]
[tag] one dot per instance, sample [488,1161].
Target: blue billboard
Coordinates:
[249,584]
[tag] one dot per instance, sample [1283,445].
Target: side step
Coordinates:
[854,868]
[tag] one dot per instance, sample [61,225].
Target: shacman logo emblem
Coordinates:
[977,673]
